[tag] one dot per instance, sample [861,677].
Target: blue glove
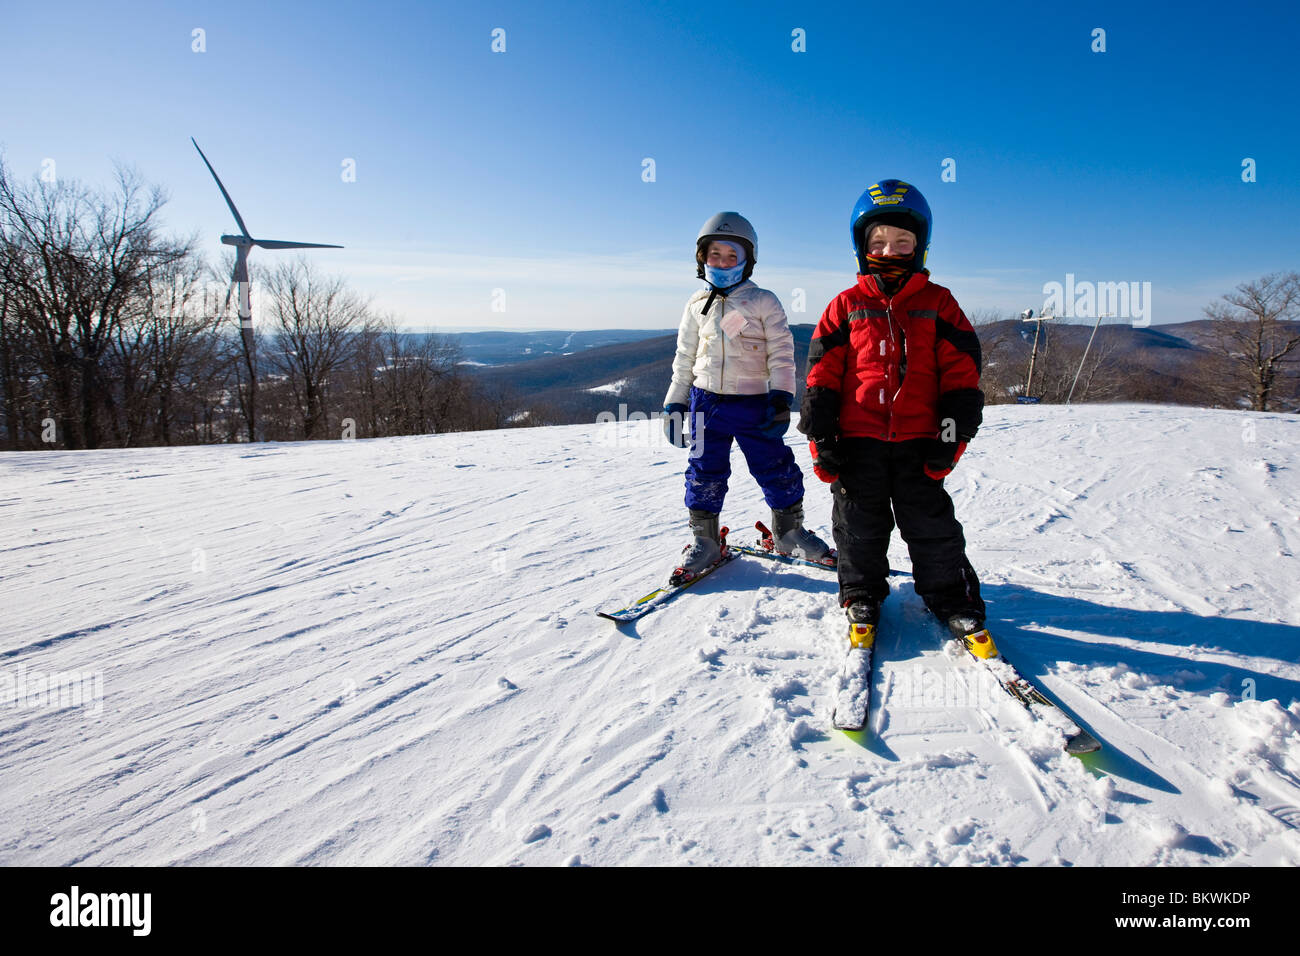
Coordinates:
[777,417]
[674,419]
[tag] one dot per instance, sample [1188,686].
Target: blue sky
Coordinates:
[522,171]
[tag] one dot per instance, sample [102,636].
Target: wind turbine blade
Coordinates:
[283,244]
[229,202]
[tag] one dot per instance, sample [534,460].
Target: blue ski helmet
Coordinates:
[891,202]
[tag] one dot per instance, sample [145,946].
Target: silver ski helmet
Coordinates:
[729,227]
[891,202]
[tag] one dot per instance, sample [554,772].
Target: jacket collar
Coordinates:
[915,282]
[738,291]
[735,291]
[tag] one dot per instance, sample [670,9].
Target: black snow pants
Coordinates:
[873,476]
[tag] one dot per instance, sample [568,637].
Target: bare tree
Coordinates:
[426,385]
[316,320]
[1093,370]
[1255,326]
[406,383]
[74,262]
[37,236]
[361,400]
[171,366]
[998,378]
[20,381]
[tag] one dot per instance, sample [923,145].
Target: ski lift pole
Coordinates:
[1028,316]
[1095,326]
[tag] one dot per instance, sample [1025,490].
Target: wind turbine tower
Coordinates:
[243,244]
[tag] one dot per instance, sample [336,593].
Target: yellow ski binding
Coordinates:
[980,643]
[862,635]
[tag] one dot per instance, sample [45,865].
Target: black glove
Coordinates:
[942,456]
[777,418]
[826,462]
[961,412]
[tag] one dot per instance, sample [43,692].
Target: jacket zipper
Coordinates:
[722,382]
[889,409]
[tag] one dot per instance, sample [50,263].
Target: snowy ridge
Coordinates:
[613,388]
[384,652]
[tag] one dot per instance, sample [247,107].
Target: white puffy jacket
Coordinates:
[742,347]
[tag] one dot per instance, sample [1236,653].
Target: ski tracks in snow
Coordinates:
[385,652]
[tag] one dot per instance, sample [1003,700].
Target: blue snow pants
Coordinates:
[770,460]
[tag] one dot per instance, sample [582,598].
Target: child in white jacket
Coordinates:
[734,377]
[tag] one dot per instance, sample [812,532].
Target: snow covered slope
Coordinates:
[385,652]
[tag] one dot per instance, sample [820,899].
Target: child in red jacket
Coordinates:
[893,397]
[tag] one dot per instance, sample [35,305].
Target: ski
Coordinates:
[766,548]
[853,696]
[758,552]
[979,644]
[791,559]
[661,595]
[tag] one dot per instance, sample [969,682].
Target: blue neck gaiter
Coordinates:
[722,278]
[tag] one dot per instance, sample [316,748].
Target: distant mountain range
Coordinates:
[491,349]
[571,377]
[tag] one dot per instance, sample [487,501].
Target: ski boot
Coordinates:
[702,553]
[972,633]
[790,537]
[863,617]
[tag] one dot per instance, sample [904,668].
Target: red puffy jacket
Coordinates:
[893,369]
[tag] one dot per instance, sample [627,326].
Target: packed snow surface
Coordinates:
[386,652]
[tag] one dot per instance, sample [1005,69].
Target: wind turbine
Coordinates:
[243,244]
